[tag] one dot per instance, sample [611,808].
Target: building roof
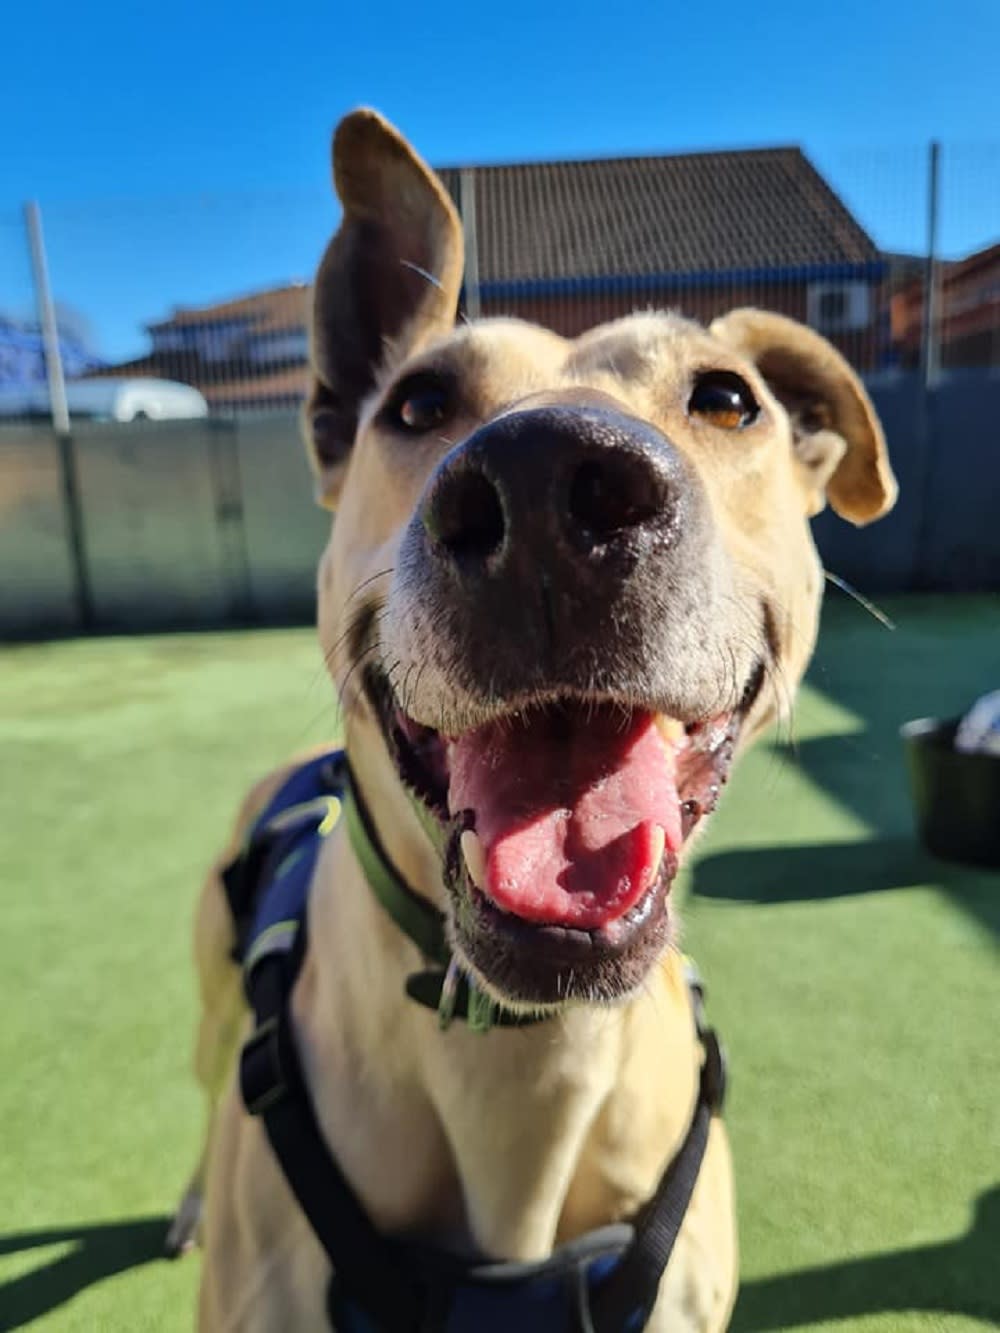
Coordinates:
[630,221]
[273,310]
[969,289]
[759,209]
[978,260]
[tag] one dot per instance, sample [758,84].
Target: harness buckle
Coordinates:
[262,1073]
[714,1072]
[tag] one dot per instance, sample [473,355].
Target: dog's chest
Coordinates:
[386,1136]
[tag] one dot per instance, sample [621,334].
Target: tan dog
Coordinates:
[567,579]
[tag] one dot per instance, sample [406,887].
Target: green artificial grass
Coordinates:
[855,980]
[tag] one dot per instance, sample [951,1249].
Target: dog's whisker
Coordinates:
[860,598]
[356,658]
[428,277]
[420,673]
[365,583]
[403,694]
[786,705]
[367,617]
[353,670]
[356,620]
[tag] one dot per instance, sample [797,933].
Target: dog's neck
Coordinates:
[582,1110]
[399,831]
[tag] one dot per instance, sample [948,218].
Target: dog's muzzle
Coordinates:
[550,517]
[563,684]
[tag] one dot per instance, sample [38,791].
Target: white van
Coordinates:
[108,400]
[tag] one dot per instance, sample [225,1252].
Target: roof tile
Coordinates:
[638,216]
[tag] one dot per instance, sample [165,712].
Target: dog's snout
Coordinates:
[609,495]
[464,516]
[555,485]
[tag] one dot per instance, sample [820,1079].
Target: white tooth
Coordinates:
[669,728]
[659,846]
[475,858]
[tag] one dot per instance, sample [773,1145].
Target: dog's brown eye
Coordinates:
[724,400]
[419,404]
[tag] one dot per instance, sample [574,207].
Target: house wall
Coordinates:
[969,315]
[572,315]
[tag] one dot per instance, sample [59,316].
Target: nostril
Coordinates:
[611,496]
[465,517]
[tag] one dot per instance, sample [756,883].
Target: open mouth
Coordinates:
[561,826]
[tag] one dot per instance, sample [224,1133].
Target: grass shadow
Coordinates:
[800,872]
[99,1252]
[951,1278]
[815,871]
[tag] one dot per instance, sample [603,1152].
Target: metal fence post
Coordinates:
[227,490]
[467,206]
[930,357]
[59,410]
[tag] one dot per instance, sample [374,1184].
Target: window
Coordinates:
[279,347]
[835,307]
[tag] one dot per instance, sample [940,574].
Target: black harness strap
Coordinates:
[274,1088]
[634,1285]
[392,1286]
[367,1266]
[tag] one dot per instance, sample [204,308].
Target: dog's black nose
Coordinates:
[555,487]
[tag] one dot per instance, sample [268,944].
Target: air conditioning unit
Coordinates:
[838,307]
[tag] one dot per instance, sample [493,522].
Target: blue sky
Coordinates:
[180,152]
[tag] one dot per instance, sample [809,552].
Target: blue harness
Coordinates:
[604,1282]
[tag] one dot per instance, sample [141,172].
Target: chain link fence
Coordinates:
[900,269]
[187,318]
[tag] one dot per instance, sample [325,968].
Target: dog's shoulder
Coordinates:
[214,927]
[260,795]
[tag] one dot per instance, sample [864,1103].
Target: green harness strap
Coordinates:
[446,987]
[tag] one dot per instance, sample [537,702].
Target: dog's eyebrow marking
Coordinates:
[624,357]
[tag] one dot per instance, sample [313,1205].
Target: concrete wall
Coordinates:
[183,523]
[213,522]
[945,530]
[36,563]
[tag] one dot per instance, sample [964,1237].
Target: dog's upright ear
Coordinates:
[836,433]
[388,282]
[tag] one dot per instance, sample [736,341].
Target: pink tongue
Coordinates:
[568,805]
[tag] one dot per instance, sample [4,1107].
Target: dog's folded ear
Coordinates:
[389,282]
[836,432]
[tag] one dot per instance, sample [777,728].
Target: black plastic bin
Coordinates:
[956,796]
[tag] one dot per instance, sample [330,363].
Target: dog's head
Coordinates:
[567,579]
